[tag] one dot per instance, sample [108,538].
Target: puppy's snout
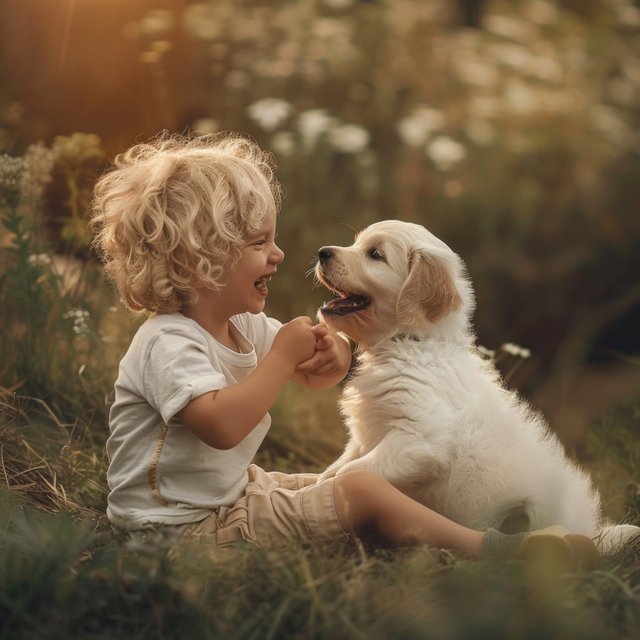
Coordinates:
[325,254]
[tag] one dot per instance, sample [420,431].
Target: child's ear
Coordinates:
[428,294]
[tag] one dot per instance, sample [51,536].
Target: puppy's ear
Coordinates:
[428,293]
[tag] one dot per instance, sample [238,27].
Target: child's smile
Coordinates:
[248,285]
[261,285]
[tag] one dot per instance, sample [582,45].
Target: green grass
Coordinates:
[64,573]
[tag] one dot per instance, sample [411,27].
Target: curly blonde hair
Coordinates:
[174,213]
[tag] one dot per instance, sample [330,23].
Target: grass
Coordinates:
[64,573]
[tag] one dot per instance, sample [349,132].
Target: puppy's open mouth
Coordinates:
[345,303]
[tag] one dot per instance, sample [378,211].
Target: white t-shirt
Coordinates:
[159,471]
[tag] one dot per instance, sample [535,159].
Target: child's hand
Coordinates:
[332,354]
[296,340]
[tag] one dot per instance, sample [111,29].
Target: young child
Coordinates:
[187,230]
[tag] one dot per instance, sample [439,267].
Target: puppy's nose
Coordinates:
[324,254]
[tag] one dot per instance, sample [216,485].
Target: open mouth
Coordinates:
[345,303]
[261,284]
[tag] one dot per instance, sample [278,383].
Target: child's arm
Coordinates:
[222,419]
[330,363]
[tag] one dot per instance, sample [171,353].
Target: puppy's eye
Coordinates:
[376,254]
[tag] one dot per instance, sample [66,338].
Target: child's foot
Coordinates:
[554,547]
[559,548]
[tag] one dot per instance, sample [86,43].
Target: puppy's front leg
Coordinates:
[400,459]
[352,451]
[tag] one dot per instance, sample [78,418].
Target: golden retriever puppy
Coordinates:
[426,411]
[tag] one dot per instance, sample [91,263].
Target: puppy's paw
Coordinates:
[326,474]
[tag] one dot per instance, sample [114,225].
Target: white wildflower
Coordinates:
[332,30]
[40,260]
[247,30]
[608,121]
[11,171]
[446,152]
[205,125]
[201,21]
[520,98]
[161,46]
[575,56]
[631,69]
[481,132]
[628,15]
[477,73]
[487,353]
[269,113]
[79,317]
[515,350]
[511,55]
[510,27]
[38,163]
[312,124]
[416,128]
[541,12]
[76,148]
[545,68]
[349,138]
[283,143]
[157,23]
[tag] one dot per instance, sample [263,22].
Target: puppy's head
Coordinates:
[396,278]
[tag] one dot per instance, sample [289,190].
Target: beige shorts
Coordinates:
[275,509]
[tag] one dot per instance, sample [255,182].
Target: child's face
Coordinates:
[246,289]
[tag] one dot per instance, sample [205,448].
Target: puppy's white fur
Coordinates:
[425,411]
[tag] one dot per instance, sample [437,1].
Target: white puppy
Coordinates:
[426,411]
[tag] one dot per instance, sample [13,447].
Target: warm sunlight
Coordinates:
[407,406]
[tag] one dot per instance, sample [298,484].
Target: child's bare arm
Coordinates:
[222,419]
[330,363]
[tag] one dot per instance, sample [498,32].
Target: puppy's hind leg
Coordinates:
[516,521]
[615,537]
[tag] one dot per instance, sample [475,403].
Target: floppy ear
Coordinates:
[428,293]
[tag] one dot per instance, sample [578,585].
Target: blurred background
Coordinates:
[508,128]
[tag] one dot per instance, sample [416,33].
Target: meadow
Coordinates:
[516,143]
[64,572]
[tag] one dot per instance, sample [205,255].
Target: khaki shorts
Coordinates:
[275,509]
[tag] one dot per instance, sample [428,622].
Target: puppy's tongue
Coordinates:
[346,304]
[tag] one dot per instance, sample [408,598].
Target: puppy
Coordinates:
[426,411]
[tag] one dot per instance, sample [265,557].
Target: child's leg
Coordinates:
[367,503]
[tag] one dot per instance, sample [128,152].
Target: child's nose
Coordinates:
[277,255]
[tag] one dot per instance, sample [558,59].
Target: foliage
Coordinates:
[515,142]
[51,339]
